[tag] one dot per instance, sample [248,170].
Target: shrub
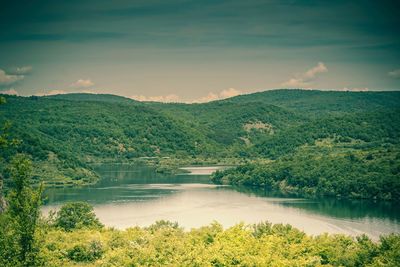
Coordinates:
[81,253]
[76,215]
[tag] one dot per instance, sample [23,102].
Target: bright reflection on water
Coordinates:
[136,195]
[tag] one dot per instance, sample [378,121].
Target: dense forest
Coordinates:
[337,170]
[295,142]
[301,142]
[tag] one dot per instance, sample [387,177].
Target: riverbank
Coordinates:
[325,170]
[53,175]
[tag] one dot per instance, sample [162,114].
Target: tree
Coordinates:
[3,144]
[76,215]
[20,221]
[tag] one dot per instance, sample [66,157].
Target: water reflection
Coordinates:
[122,183]
[137,195]
[338,208]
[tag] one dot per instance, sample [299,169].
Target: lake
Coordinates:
[129,195]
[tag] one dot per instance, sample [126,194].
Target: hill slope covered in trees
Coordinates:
[65,133]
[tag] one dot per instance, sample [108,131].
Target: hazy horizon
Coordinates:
[196,101]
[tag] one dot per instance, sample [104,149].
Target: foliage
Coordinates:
[19,233]
[82,253]
[64,134]
[259,245]
[162,224]
[316,143]
[325,169]
[320,103]
[76,215]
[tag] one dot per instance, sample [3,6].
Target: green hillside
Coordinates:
[65,133]
[93,97]
[69,134]
[314,102]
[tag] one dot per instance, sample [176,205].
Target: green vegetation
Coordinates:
[165,244]
[318,103]
[19,231]
[64,136]
[350,140]
[74,237]
[328,168]
[76,215]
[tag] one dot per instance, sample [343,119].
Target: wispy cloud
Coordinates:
[231,92]
[9,92]
[394,73]
[304,80]
[20,70]
[8,79]
[167,98]
[172,98]
[209,97]
[82,83]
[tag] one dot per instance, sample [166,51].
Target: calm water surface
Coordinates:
[136,195]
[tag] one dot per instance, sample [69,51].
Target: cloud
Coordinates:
[172,98]
[167,99]
[20,70]
[207,98]
[394,74]
[231,92]
[82,83]
[7,79]
[10,91]
[304,80]
[295,83]
[310,74]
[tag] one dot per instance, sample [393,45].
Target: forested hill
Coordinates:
[64,133]
[314,101]
[93,97]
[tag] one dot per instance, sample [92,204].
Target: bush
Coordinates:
[76,215]
[163,224]
[81,253]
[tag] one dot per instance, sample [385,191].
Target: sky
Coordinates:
[197,51]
